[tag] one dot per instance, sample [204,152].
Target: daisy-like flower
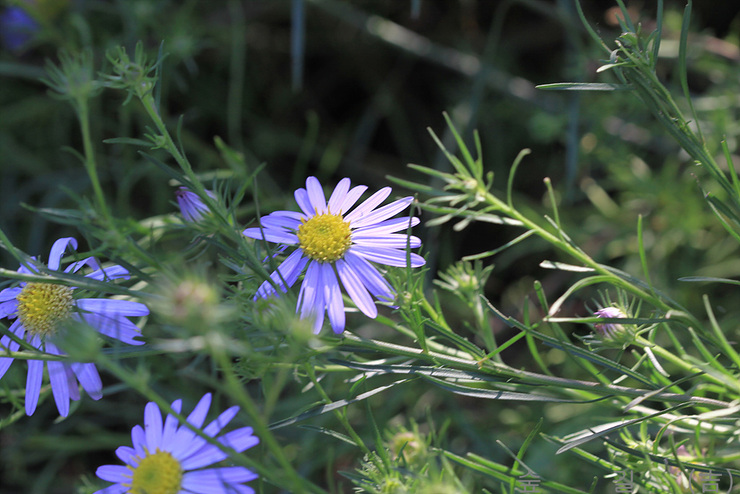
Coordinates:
[40,311]
[191,206]
[337,245]
[170,459]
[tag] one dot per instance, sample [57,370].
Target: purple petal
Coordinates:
[76,266]
[112,307]
[383,213]
[198,415]
[215,480]
[240,439]
[289,214]
[387,241]
[388,226]
[369,275]
[57,251]
[367,206]
[352,197]
[33,384]
[110,273]
[114,473]
[138,440]
[89,378]
[170,424]
[113,489]
[311,296]
[119,328]
[191,205]
[338,196]
[126,454]
[271,235]
[316,195]
[59,386]
[10,293]
[6,342]
[74,390]
[204,456]
[289,270]
[356,289]
[185,441]
[222,421]
[153,427]
[333,297]
[390,257]
[276,221]
[301,198]
[8,309]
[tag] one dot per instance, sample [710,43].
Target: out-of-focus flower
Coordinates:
[335,244]
[168,458]
[609,329]
[42,309]
[191,206]
[17,28]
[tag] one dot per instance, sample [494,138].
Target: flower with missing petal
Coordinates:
[337,245]
[168,458]
[42,309]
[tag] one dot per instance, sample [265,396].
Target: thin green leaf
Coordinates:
[600,430]
[322,409]
[492,394]
[682,70]
[512,174]
[709,279]
[584,86]
[330,433]
[128,140]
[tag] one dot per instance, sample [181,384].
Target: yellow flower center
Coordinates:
[325,237]
[159,473]
[42,306]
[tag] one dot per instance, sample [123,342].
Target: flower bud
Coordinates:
[609,329]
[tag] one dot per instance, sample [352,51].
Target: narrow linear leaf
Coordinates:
[322,409]
[584,86]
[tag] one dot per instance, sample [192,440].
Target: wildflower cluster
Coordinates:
[167,458]
[314,321]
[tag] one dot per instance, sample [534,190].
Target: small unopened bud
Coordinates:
[609,329]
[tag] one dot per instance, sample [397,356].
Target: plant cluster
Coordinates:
[337,352]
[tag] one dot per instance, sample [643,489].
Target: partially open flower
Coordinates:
[609,329]
[191,206]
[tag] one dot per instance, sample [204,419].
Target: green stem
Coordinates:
[569,249]
[339,414]
[297,483]
[570,387]
[151,109]
[678,361]
[83,114]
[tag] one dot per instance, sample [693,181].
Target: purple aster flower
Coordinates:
[609,329]
[191,206]
[170,459]
[41,309]
[17,28]
[337,245]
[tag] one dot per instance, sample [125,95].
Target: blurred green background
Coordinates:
[347,89]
